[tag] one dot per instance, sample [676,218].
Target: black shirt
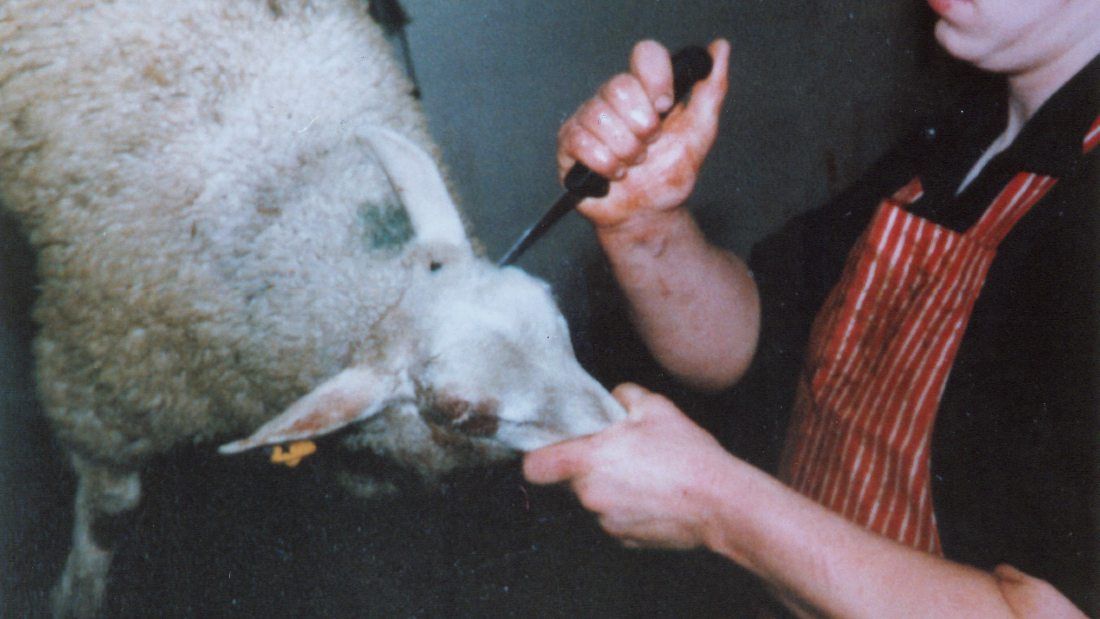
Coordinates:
[1016,445]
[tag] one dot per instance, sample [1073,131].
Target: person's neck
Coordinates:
[1030,88]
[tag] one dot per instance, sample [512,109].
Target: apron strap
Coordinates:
[1092,137]
[1014,201]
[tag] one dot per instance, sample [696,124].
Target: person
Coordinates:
[935,327]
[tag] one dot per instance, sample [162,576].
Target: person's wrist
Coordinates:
[727,524]
[648,231]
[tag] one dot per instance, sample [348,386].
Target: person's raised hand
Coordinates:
[653,164]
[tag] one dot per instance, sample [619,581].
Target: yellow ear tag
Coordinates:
[294,454]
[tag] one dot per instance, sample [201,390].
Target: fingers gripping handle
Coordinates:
[689,65]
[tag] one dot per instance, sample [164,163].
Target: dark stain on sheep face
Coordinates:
[483,423]
[456,415]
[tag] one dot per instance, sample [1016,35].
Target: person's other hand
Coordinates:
[653,479]
[619,134]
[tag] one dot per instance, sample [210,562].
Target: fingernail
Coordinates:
[664,102]
[640,117]
[620,172]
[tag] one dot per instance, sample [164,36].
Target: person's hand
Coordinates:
[618,133]
[653,478]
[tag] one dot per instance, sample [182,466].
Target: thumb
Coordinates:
[641,403]
[630,396]
[557,463]
[705,106]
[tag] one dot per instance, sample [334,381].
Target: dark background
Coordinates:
[818,91]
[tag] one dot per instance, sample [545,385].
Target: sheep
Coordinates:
[243,232]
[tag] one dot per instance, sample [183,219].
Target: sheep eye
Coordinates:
[435,266]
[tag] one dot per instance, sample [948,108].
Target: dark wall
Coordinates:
[818,90]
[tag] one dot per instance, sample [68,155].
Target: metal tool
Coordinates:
[689,65]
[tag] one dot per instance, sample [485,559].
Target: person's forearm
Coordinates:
[694,304]
[823,565]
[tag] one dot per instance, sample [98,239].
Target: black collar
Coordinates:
[1051,142]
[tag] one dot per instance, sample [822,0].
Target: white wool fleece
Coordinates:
[215,144]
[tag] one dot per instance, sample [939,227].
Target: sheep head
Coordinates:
[482,366]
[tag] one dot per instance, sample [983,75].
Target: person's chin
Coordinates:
[958,44]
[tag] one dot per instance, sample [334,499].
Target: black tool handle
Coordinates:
[689,65]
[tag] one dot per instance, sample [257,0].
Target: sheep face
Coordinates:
[487,371]
[480,366]
[497,362]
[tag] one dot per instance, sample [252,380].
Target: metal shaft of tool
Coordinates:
[689,66]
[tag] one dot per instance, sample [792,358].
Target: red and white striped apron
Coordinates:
[1092,138]
[879,355]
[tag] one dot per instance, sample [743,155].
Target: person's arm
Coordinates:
[656,479]
[694,304]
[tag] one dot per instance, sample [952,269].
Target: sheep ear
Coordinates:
[417,180]
[352,395]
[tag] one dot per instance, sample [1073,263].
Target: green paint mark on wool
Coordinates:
[385,225]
